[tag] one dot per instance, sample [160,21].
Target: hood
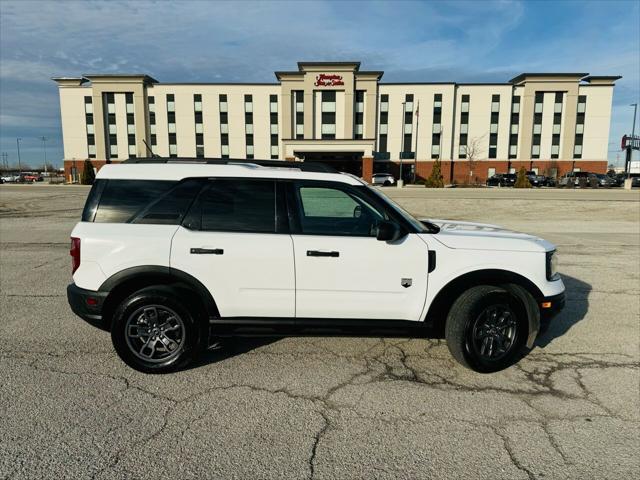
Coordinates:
[484,236]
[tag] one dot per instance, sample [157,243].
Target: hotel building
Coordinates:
[336,113]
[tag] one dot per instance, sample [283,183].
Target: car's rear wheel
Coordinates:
[486,328]
[154,332]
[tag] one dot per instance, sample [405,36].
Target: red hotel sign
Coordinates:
[324,80]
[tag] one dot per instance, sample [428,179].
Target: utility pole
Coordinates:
[627,162]
[19,163]
[44,148]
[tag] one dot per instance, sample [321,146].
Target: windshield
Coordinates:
[417,224]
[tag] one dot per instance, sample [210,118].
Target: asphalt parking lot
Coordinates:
[333,408]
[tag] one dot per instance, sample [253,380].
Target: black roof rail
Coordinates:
[303,166]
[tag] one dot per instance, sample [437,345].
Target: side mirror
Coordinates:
[389,231]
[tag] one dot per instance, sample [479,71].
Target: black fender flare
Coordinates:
[158,274]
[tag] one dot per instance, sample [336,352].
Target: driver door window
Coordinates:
[333,211]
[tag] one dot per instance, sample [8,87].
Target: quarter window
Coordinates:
[121,200]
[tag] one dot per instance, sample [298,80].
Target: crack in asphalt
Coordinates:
[393,363]
[511,453]
[316,441]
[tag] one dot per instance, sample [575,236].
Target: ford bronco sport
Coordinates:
[171,252]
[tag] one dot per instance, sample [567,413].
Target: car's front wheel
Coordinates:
[486,328]
[154,332]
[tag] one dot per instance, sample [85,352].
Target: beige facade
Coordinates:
[336,112]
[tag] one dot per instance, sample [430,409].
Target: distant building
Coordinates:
[336,113]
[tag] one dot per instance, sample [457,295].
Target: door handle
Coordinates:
[318,253]
[207,251]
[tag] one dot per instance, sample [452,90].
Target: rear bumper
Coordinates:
[87,304]
[551,306]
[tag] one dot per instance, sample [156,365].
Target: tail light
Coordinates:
[74,251]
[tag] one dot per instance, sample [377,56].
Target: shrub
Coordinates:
[88,175]
[435,179]
[522,181]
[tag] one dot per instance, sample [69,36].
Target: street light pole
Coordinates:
[44,148]
[629,146]
[19,163]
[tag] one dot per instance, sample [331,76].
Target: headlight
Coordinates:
[552,265]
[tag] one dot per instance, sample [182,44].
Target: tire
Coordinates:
[386,183]
[475,335]
[154,332]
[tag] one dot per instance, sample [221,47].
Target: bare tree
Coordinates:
[473,151]
[553,169]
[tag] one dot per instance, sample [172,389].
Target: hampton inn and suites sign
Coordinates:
[325,80]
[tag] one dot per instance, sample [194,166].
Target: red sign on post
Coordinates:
[325,80]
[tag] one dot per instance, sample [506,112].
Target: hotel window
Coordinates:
[152,122]
[131,126]
[299,116]
[111,126]
[537,125]
[273,121]
[493,128]
[91,137]
[464,126]
[248,124]
[437,126]
[358,130]
[557,124]
[514,128]
[328,124]
[407,122]
[171,124]
[577,144]
[197,114]
[224,126]
[384,121]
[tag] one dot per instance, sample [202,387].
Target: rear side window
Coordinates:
[235,205]
[171,207]
[121,200]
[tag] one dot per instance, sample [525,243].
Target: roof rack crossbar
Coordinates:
[303,166]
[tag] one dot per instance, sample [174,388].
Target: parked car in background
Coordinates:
[502,180]
[536,180]
[384,179]
[551,181]
[621,177]
[29,177]
[574,178]
[11,177]
[605,181]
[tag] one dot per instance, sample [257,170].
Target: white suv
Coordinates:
[171,253]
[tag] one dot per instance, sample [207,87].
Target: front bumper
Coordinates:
[551,306]
[87,304]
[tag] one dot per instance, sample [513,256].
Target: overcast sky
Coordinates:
[244,41]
